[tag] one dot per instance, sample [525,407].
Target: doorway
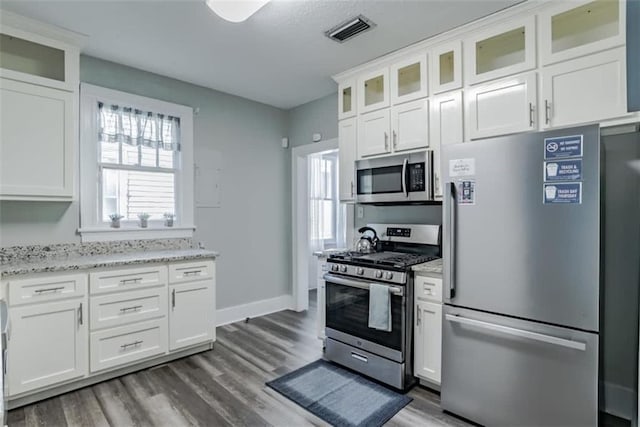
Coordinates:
[320,221]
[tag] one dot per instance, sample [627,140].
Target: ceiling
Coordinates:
[279,56]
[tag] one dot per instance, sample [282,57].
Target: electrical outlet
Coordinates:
[360,212]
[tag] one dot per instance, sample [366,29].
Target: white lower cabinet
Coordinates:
[503,107]
[587,89]
[117,346]
[47,344]
[191,314]
[427,359]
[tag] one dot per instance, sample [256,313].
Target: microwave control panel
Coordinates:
[416,177]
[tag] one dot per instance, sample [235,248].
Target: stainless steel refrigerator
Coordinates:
[522,271]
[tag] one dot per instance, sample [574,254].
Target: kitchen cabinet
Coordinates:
[347,154]
[587,89]
[573,29]
[446,127]
[410,125]
[347,99]
[373,91]
[373,133]
[39,80]
[37,142]
[504,49]
[47,344]
[409,79]
[445,67]
[502,107]
[191,319]
[428,352]
[428,329]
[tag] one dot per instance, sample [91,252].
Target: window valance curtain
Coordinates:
[135,127]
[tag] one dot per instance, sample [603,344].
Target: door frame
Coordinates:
[300,209]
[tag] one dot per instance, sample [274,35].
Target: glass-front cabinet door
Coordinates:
[347,99]
[501,51]
[409,79]
[373,91]
[579,28]
[445,67]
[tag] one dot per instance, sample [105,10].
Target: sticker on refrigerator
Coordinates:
[562,147]
[466,192]
[563,170]
[462,167]
[563,193]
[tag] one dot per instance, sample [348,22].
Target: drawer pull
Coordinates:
[131,344]
[359,357]
[39,291]
[134,280]
[192,272]
[134,308]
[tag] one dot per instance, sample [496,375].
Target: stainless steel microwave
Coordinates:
[405,178]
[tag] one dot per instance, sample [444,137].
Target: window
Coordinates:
[326,222]
[136,157]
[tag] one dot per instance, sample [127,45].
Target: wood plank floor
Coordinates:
[222,387]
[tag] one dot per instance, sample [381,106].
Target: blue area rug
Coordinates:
[338,396]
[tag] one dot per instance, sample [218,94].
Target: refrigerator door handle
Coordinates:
[549,339]
[450,251]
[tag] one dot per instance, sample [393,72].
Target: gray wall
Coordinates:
[248,229]
[316,116]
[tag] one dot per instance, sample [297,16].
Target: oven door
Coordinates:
[347,317]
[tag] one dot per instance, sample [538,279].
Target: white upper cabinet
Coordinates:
[373,91]
[445,67]
[347,132]
[579,28]
[446,127]
[347,99]
[409,79]
[410,125]
[588,89]
[373,133]
[502,107]
[500,51]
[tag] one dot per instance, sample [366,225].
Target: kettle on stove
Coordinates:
[367,244]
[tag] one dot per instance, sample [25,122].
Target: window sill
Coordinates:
[105,234]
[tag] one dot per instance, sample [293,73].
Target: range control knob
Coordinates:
[378,274]
[359,271]
[334,268]
[388,275]
[343,268]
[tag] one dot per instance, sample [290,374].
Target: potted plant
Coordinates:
[115,220]
[168,219]
[144,219]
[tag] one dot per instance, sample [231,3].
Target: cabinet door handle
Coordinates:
[386,141]
[547,110]
[173,299]
[395,139]
[530,114]
[80,319]
[351,188]
[419,315]
[57,288]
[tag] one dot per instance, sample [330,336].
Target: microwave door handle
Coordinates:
[405,163]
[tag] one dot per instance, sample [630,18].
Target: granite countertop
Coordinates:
[325,253]
[434,267]
[84,262]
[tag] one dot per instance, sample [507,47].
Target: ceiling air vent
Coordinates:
[350,28]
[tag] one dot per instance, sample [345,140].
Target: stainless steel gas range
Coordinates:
[384,356]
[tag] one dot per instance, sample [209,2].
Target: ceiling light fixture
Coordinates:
[235,10]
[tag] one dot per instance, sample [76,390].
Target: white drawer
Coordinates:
[192,270]
[428,288]
[127,279]
[46,288]
[126,307]
[128,344]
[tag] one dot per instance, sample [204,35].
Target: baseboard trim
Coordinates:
[237,313]
[619,401]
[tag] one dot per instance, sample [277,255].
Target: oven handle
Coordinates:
[359,284]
